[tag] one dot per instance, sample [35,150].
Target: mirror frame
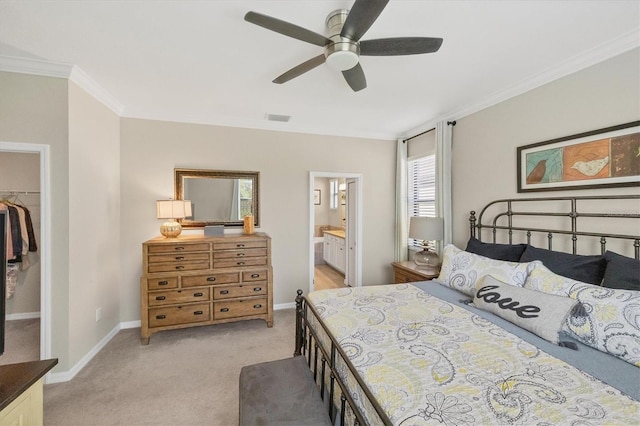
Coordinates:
[181,174]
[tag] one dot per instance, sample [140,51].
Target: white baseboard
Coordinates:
[291,305]
[22,316]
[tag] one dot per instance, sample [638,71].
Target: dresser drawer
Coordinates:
[162,283]
[183,266]
[178,257]
[210,279]
[259,275]
[173,297]
[239,308]
[246,261]
[235,254]
[241,290]
[173,315]
[177,248]
[239,245]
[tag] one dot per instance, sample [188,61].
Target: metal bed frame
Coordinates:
[324,362]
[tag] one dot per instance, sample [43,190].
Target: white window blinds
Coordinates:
[421,192]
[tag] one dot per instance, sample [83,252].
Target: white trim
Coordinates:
[282,306]
[22,316]
[130,324]
[45,238]
[61,70]
[601,53]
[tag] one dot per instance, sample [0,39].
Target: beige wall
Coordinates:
[94,216]
[484,144]
[35,110]
[150,150]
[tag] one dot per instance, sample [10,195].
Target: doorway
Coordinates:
[40,199]
[335,258]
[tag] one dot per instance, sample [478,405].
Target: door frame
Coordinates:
[45,237]
[358,242]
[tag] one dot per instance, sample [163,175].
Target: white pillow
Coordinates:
[461,270]
[612,323]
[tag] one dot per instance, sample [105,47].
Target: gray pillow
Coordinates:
[508,252]
[540,313]
[622,272]
[588,269]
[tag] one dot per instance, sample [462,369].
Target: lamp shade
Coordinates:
[426,228]
[173,209]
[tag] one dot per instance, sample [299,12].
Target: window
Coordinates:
[333,193]
[422,189]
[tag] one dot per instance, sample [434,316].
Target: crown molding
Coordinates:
[61,70]
[596,55]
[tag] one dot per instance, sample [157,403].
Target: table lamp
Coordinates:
[172,210]
[427,229]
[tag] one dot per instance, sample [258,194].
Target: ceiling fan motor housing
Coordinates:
[343,53]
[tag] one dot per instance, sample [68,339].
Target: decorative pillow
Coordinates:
[508,252]
[541,314]
[588,269]
[461,270]
[612,321]
[621,272]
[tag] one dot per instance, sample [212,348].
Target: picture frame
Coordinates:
[603,158]
[317,197]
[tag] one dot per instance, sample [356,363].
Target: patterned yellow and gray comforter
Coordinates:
[427,361]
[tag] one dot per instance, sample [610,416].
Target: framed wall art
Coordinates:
[316,197]
[602,158]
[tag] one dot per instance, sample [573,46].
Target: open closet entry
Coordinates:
[26,308]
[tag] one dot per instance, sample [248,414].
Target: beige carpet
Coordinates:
[183,377]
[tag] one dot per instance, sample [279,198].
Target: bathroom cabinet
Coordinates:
[335,251]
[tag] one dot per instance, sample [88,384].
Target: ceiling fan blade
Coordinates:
[355,78]
[286,28]
[399,46]
[300,69]
[361,16]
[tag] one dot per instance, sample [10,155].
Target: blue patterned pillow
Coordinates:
[612,323]
[461,270]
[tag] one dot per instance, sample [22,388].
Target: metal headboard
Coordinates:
[568,207]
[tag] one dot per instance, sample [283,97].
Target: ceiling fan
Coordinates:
[342,46]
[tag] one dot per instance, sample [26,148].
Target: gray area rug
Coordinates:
[183,377]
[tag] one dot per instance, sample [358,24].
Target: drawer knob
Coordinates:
[257,289]
[239,263]
[179,257]
[257,306]
[197,294]
[224,310]
[198,313]
[178,248]
[163,282]
[224,292]
[180,267]
[240,254]
[239,245]
[161,316]
[160,297]
[211,278]
[255,275]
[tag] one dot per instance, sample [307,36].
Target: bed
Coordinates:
[536,321]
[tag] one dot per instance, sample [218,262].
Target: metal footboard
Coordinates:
[331,369]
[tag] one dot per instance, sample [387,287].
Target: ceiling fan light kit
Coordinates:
[342,47]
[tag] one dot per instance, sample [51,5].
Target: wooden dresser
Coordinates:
[408,272]
[197,280]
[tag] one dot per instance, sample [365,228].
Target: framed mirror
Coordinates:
[218,197]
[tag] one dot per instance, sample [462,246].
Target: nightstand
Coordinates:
[408,271]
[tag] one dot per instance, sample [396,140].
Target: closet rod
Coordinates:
[12,191]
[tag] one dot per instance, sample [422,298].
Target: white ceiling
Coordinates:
[199,61]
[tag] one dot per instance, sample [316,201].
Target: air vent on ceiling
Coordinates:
[278,117]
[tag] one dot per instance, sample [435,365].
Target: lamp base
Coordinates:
[427,261]
[171,229]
